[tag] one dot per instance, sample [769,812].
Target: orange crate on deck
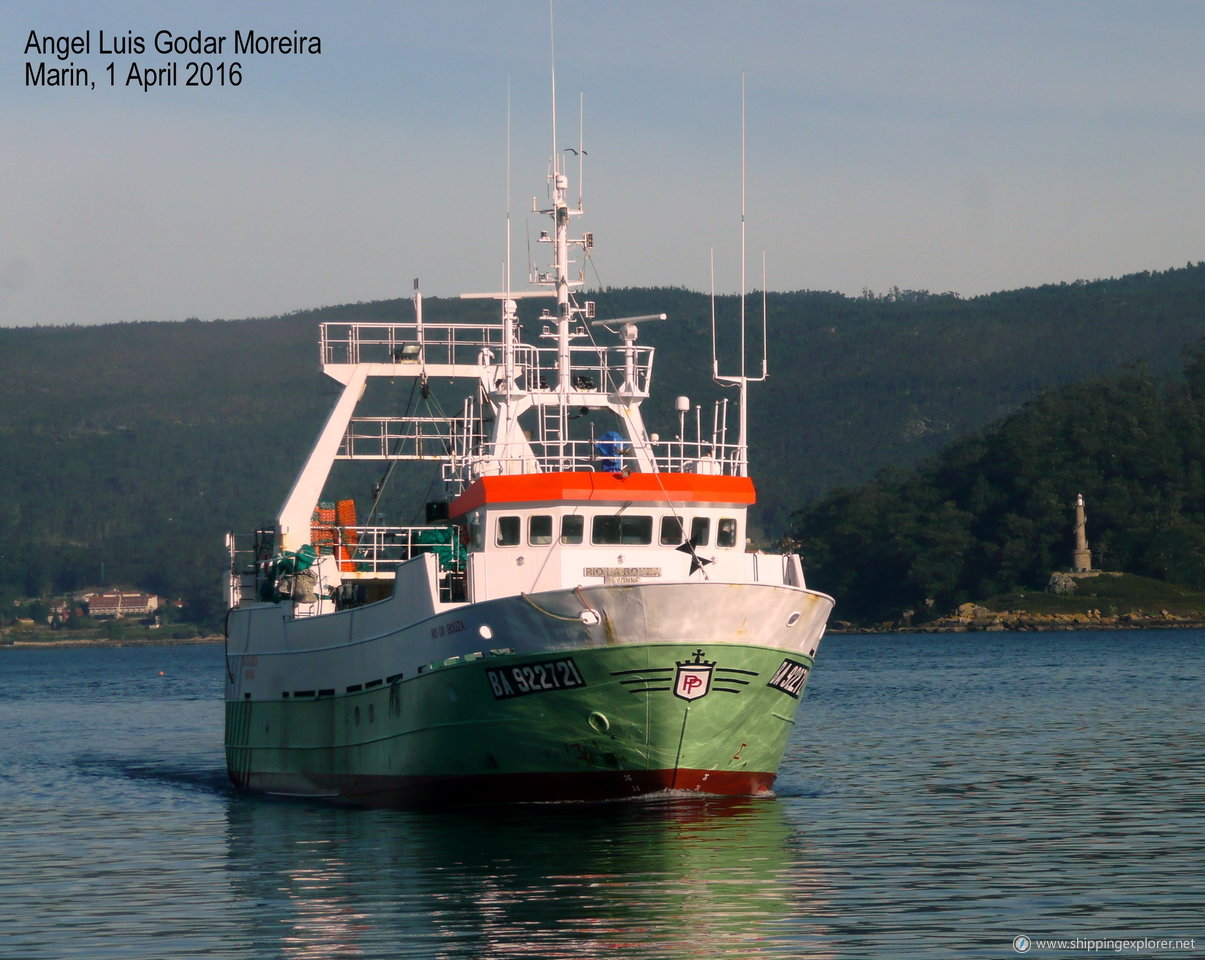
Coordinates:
[322,525]
[346,514]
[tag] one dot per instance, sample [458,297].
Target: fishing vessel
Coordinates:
[579,618]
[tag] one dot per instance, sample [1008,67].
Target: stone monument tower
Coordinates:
[1082,557]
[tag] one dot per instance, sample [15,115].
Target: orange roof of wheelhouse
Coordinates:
[586,485]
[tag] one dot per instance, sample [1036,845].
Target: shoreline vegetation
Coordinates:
[12,643]
[1020,621]
[1088,601]
[983,621]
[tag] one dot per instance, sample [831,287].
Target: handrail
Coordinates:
[402,343]
[669,456]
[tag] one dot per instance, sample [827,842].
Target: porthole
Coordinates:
[793,618]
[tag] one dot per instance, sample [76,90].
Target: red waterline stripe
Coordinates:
[409,791]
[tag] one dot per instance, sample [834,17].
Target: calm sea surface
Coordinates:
[941,796]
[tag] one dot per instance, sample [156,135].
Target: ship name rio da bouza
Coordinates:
[579,617]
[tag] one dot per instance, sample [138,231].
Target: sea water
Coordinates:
[942,795]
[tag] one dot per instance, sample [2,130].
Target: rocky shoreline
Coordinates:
[972,618]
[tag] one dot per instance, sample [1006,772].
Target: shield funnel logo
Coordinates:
[694,677]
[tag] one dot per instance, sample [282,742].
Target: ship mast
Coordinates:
[561,213]
[549,446]
[560,237]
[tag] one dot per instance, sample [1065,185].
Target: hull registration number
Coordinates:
[523,679]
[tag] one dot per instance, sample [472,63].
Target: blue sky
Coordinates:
[964,146]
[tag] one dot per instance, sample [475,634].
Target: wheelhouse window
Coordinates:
[671,530]
[572,529]
[622,529]
[476,534]
[725,532]
[539,530]
[700,531]
[508,532]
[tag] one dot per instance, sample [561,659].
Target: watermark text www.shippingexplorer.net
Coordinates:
[1025,944]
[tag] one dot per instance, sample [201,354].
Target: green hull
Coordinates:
[589,723]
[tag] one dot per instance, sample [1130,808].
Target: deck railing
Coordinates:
[669,456]
[363,552]
[432,343]
[403,438]
[592,367]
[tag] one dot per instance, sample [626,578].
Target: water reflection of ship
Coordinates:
[664,879]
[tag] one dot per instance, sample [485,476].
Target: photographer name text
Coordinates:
[155,61]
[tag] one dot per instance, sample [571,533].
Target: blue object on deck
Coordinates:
[611,447]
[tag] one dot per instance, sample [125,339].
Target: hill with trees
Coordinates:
[130,449]
[991,514]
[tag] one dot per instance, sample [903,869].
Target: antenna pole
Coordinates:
[741,380]
[742,227]
[765,369]
[743,453]
[552,60]
[508,314]
[715,363]
[560,239]
[418,311]
[506,288]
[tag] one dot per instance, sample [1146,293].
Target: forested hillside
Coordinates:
[857,384]
[993,511]
[129,449]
